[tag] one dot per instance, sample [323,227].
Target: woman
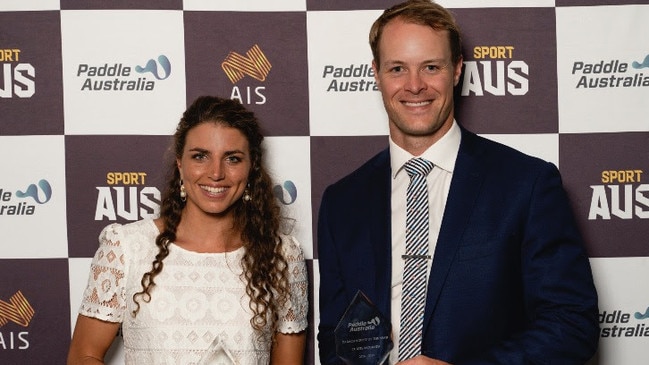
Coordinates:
[212,279]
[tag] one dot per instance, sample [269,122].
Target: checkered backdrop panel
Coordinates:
[90,92]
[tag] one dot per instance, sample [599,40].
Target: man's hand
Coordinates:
[422,360]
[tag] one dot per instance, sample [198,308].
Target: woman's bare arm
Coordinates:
[91,340]
[288,349]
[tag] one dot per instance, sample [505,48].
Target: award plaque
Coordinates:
[363,334]
[217,354]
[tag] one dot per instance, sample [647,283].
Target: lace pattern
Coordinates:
[198,298]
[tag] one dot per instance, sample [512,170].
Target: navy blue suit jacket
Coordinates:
[510,281]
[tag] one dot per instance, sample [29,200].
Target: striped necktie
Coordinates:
[413,297]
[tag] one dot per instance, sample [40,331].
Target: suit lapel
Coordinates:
[465,186]
[381,229]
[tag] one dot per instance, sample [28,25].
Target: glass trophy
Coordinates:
[363,334]
[217,354]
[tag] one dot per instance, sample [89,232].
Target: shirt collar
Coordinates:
[442,153]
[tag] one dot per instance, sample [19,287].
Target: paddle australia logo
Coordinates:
[24,201]
[364,325]
[611,74]
[349,78]
[619,323]
[120,76]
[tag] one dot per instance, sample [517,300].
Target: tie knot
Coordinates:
[418,167]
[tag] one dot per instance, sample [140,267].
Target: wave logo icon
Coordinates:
[644,315]
[644,64]
[17,310]
[160,70]
[254,64]
[33,192]
[286,193]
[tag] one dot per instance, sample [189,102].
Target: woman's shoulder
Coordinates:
[133,232]
[291,248]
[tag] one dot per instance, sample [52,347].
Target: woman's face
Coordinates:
[214,167]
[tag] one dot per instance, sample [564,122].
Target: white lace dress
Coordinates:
[199,301]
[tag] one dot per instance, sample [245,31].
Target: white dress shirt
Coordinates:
[443,154]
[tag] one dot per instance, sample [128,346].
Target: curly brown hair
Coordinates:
[264,267]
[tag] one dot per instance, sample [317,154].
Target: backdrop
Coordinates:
[91,90]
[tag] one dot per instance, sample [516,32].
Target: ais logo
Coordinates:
[17,310]
[254,64]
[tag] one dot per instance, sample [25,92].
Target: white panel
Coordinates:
[33,197]
[623,307]
[21,5]
[288,160]
[495,3]
[114,75]
[601,45]
[247,5]
[342,99]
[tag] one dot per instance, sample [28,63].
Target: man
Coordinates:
[508,281]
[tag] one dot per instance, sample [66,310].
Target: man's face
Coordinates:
[416,78]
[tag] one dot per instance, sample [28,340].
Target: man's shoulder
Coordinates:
[361,191]
[497,152]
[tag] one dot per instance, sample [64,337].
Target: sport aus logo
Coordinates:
[19,77]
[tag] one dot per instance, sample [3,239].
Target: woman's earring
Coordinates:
[183,192]
[246,194]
